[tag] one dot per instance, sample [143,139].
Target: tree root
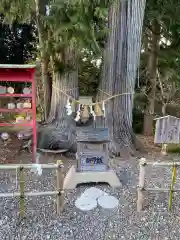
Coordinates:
[53,138]
[121,149]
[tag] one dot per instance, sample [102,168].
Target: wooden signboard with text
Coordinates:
[167,130]
[93,161]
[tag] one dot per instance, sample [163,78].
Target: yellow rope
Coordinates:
[93,104]
[173,180]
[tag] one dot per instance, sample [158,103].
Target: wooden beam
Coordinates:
[60,182]
[19,66]
[161,189]
[28,194]
[27,166]
[164,164]
[140,189]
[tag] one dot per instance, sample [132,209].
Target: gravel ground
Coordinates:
[41,221]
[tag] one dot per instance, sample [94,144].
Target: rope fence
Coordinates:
[22,194]
[141,189]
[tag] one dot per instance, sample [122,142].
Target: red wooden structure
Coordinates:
[21,73]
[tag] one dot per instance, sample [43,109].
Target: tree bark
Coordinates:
[164,107]
[121,62]
[152,76]
[60,132]
[40,12]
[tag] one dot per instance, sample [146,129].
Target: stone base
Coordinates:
[74,178]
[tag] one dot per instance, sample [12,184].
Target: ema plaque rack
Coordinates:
[92,159]
[21,74]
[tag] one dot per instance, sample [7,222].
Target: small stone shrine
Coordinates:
[92,159]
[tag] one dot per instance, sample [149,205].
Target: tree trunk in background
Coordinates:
[61,129]
[152,76]
[164,107]
[46,87]
[120,66]
[40,12]
[39,91]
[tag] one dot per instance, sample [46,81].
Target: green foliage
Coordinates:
[166,12]
[173,148]
[17,10]
[17,43]
[89,77]
[139,101]
[138,118]
[82,24]
[70,23]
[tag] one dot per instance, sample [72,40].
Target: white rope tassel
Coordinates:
[68,107]
[103,108]
[37,167]
[92,112]
[78,113]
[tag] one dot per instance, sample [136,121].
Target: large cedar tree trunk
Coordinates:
[152,77]
[42,36]
[120,66]
[60,131]
[164,108]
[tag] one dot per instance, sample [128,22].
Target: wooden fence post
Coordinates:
[164,149]
[22,200]
[60,181]
[140,189]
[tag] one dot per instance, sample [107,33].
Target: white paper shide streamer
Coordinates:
[68,107]
[104,110]
[92,112]
[37,169]
[78,113]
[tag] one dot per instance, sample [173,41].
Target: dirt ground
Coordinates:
[9,151]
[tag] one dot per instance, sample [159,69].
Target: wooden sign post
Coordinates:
[167,131]
[92,159]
